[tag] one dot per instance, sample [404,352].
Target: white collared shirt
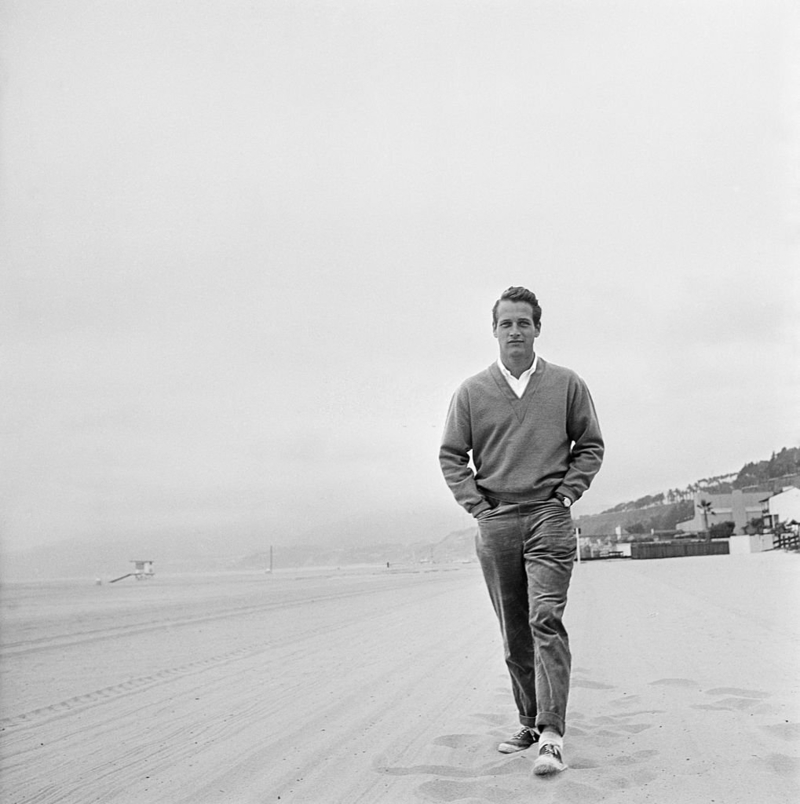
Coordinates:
[518,386]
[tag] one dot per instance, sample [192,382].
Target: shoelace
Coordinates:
[553,750]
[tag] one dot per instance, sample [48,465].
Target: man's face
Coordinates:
[515,332]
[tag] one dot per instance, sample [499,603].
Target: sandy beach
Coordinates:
[375,685]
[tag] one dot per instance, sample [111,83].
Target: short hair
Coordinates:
[519,294]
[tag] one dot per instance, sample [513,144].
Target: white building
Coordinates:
[782,507]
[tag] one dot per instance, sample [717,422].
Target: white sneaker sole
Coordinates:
[547,766]
[507,748]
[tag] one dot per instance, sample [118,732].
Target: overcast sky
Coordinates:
[249,249]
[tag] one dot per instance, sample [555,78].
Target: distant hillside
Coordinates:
[371,537]
[106,561]
[456,546]
[662,511]
[209,551]
[783,466]
[655,517]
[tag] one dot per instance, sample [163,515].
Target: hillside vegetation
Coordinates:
[783,464]
[663,511]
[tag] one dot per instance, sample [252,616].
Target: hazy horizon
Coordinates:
[249,252]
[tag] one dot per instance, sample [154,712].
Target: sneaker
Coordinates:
[549,760]
[521,741]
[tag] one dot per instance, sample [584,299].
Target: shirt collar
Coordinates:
[525,374]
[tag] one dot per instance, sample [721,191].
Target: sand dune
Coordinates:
[389,686]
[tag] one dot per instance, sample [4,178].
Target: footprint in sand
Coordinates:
[737,700]
[784,731]
[480,784]
[635,728]
[578,762]
[446,790]
[617,783]
[512,767]
[783,765]
[604,719]
[590,685]
[626,700]
[612,728]
[572,792]
[634,759]
[636,713]
[736,705]
[458,740]
[681,683]
[738,692]
[644,776]
[609,736]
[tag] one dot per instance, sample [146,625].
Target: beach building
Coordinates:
[144,568]
[783,508]
[738,507]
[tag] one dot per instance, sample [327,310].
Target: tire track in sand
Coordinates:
[10,650]
[69,706]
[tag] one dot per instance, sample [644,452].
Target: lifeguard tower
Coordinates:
[143,570]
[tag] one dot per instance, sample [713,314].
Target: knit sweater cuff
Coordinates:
[480,508]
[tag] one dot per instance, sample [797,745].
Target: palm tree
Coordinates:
[706,509]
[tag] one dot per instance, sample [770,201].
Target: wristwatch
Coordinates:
[565,501]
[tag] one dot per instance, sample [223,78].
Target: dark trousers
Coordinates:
[527,552]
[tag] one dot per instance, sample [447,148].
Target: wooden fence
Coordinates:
[717,547]
[787,541]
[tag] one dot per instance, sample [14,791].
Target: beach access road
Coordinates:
[388,685]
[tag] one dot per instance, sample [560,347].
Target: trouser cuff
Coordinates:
[547,720]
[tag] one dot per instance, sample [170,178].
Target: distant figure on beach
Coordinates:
[531,430]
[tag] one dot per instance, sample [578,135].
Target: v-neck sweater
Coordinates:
[523,449]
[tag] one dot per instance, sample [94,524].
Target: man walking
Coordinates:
[531,430]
